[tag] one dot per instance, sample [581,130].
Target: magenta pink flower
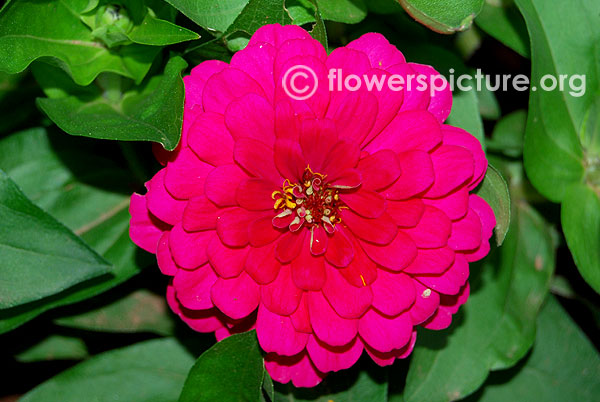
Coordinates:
[333,225]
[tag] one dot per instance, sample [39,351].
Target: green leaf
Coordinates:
[366,384]
[503,21]
[40,256]
[443,16]
[54,347]
[318,30]
[153,114]
[507,137]
[494,190]
[90,202]
[148,371]
[258,13]
[233,367]
[553,153]
[139,311]
[496,327]
[346,11]
[488,104]
[465,114]
[551,373]
[212,15]
[580,218]
[157,32]
[26,34]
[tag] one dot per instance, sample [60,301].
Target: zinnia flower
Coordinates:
[333,225]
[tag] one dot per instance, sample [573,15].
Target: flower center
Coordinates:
[310,203]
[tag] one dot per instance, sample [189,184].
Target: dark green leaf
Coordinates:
[553,153]
[496,327]
[494,190]
[149,371]
[26,34]
[233,367]
[212,15]
[40,256]
[551,373]
[87,201]
[507,137]
[488,104]
[139,311]
[444,16]
[157,32]
[465,114]
[580,217]
[318,30]
[154,114]
[346,11]
[502,20]
[54,347]
[258,13]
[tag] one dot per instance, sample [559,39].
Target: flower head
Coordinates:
[334,225]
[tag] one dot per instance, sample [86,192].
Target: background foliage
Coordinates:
[82,311]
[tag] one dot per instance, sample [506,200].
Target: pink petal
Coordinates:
[255,194]
[300,318]
[318,240]
[347,180]
[330,358]
[409,131]
[396,255]
[289,246]
[145,229]
[252,117]
[298,369]
[308,271]
[441,102]
[262,265]
[164,258]
[342,157]
[261,232]
[453,167]
[454,205]
[256,60]
[194,83]
[348,301]
[198,320]
[379,170]
[200,214]
[317,138]
[362,271]
[488,222]
[227,262]
[289,119]
[189,248]
[406,213]
[236,297]
[193,287]
[466,233]
[209,139]
[276,34]
[426,303]
[393,292]
[281,296]
[354,113]
[184,177]
[385,334]
[460,137]
[221,185]
[226,86]
[327,325]
[160,203]
[431,261]
[257,159]
[276,333]
[432,231]
[289,160]
[366,203]
[232,225]
[297,47]
[387,358]
[451,281]
[417,176]
[339,251]
[379,51]
[380,230]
